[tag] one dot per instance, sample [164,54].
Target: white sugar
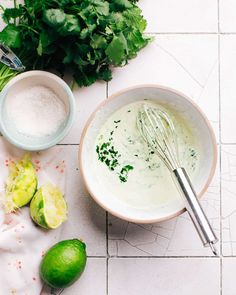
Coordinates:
[36,111]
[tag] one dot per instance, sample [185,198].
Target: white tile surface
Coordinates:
[93,278]
[180,16]
[228,276]
[176,237]
[188,63]
[87,99]
[227,15]
[228,87]
[86,220]
[165,276]
[228,177]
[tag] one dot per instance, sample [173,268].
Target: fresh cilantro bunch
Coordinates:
[87,37]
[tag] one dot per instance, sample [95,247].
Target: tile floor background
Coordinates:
[194,52]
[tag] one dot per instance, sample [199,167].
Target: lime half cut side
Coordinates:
[48,207]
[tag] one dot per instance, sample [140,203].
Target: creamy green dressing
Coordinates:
[128,168]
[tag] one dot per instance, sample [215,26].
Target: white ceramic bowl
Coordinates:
[180,103]
[28,79]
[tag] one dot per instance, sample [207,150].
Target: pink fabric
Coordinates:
[22,243]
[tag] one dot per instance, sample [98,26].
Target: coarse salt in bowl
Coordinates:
[37,110]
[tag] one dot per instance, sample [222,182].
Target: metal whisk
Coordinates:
[158,131]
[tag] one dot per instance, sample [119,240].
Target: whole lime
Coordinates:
[64,263]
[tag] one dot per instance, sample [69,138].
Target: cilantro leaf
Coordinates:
[102,7]
[86,37]
[71,26]
[123,3]
[54,17]
[98,41]
[116,50]
[11,13]
[11,36]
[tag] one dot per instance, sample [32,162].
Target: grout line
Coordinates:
[164,257]
[97,256]
[107,284]
[218,16]
[107,91]
[65,144]
[221,280]
[191,33]
[228,143]
[184,33]
[107,251]
[220,142]
[228,33]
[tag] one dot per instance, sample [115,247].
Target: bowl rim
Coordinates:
[87,126]
[70,116]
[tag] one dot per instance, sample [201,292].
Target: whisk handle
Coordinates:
[194,208]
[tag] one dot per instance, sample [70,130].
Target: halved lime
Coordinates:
[64,263]
[48,207]
[21,184]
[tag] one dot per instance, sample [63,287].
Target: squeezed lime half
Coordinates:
[21,184]
[48,207]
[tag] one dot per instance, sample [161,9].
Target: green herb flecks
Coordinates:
[130,140]
[110,157]
[123,175]
[193,153]
[191,156]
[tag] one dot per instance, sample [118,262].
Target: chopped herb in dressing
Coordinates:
[109,156]
[192,153]
[138,177]
[124,173]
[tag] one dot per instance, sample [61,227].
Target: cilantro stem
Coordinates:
[29,28]
[15,5]
[72,85]
[6,74]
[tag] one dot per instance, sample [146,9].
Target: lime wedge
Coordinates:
[48,207]
[21,184]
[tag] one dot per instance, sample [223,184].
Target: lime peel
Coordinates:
[63,263]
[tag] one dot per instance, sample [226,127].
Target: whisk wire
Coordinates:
[150,139]
[163,134]
[159,132]
[174,137]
